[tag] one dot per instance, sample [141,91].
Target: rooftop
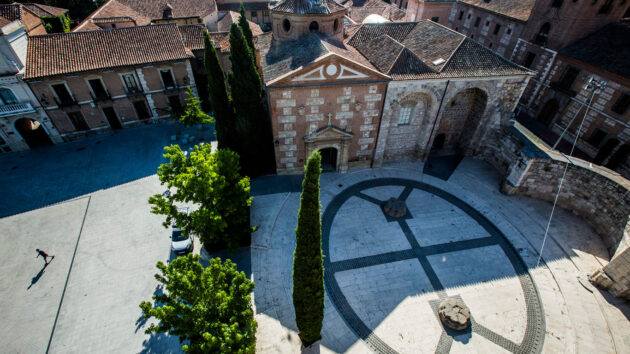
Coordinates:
[516,9]
[607,48]
[64,53]
[304,7]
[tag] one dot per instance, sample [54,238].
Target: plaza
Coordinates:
[460,238]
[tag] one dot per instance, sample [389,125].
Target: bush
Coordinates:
[56,24]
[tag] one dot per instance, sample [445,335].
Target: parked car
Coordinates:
[180,243]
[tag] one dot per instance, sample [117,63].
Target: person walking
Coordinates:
[44,255]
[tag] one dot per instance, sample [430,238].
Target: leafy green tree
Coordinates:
[252,120]
[192,113]
[56,24]
[212,182]
[225,120]
[247,31]
[308,267]
[209,307]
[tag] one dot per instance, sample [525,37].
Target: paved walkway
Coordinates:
[461,238]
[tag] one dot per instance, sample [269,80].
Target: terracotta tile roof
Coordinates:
[44,10]
[113,19]
[221,40]
[112,9]
[4,21]
[192,35]
[230,17]
[607,48]
[516,9]
[409,50]
[64,53]
[154,9]
[360,9]
[303,7]
[250,6]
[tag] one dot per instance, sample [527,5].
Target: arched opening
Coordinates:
[329,159]
[286,25]
[336,25]
[313,27]
[548,112]
[541,37]
[460,121]
[32,132]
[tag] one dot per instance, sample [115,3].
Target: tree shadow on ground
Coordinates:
[161,343]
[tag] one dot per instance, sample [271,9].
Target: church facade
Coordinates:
[366,94]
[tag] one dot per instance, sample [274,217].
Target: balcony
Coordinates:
[103,96]
[171,88]
[16,108]
[136,91]
[564,88]
[66,103]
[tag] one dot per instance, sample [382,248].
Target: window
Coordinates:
[490,45]
[461,14]
[557,3]
[131,85]
[405,114]
[7,96]
[254,14]
[175,103]
[509,31]
[605,9]
[113,25]
[313,27]
[529,60]
[487,23]
[77,120]
[541,37]
[336,25]
[597,137]
[435,19]
[469,16]
[141,109]
[167,78]
[472,36]
[622,103]
[568,78]
[497,28]
[98,90]
[62,93]
[286,25]
[477,21]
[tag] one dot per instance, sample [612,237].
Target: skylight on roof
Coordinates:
[438,61]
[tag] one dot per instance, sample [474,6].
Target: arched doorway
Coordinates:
[548,112]
[32,132]
[329,159]
[314,26]
[460,121]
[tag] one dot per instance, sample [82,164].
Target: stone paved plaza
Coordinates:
[460,238]
[384,277]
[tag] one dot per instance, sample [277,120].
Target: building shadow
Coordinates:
[53,174]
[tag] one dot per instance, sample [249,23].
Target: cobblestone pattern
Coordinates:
[535,330]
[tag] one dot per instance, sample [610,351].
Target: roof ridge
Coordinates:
[397,58]
[91,16]
[118,29]
[448,60]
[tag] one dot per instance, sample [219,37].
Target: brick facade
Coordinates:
[438,11]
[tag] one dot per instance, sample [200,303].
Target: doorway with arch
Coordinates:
[32,132]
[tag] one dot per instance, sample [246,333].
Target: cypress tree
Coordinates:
[253,125]
[225,120]
[247,31]
[308,267]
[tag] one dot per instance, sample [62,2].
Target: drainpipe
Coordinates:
[437,115]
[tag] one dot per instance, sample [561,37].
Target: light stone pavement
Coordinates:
[393,298]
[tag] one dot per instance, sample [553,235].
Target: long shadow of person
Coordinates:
[39,275]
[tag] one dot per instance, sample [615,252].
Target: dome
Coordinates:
[374,18]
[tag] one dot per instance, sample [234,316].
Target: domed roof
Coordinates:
[374,18]
[305,7]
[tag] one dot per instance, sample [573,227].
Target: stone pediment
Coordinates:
[328,133]
[329,68]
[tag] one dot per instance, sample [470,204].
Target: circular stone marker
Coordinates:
[395,208]
[454,314]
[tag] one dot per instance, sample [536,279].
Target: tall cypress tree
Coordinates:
[247,31]
[308,267]
[246,88]
[225,120]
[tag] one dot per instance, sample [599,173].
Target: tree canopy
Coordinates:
[247,31]
[192,113]
[308,267]
[212,182]
[208,308]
